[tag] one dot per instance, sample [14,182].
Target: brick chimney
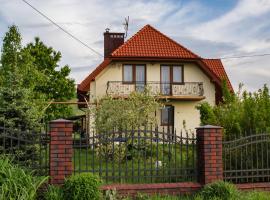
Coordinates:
[112,41]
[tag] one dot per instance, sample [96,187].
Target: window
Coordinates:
[128,73]
[167,116]
[177,74]
[134,74]
[172,74]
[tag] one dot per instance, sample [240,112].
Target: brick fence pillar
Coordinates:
[61,147]
[210,166]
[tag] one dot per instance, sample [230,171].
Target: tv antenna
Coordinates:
[126,25]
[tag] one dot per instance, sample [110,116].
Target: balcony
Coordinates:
[185,91]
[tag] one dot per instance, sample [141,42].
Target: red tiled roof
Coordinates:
[216,66]
[150,43]
[85,84]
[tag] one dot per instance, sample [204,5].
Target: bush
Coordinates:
[18,183]
[54,193]
[83,186]
[219,191]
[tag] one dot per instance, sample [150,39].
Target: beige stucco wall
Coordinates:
[184,110]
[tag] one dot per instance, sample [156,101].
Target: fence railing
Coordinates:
[142,155]
[29,149]
[247,159]
[120,88]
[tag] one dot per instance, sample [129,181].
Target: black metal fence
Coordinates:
[29,149]
[247,159]
[143,155]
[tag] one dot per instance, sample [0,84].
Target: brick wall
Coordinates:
[154,188]
[209,151]
[61,149]
[209,143]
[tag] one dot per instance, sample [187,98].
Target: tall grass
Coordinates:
[18,183]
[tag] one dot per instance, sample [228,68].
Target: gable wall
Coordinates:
[184,110]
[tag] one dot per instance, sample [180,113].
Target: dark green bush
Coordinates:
[54,193]
[219,190]
[83,186]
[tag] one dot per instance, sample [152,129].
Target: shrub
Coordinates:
[54,193]
[18,183]
[82,187]
[219,190]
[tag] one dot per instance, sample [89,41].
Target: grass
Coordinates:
[145,166]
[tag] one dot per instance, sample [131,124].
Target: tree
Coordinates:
[18,108]
[136,110]
[54,85]
[241,113]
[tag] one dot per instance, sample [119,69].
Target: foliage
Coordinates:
[243,112]
[255,195]
[54,193]
[54,84]
[124,113]
[111,195]
[17,183]
[82,187]
[216,191]
[30,77]
[219,190]
[18,104]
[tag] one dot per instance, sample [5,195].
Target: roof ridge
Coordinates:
[172,40]
[157,31]
[211,58]
[126,42]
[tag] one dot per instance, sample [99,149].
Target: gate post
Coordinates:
[61,149]
[209,154]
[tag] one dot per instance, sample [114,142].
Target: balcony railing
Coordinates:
[187,89]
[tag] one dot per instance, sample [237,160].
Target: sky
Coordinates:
[210,28]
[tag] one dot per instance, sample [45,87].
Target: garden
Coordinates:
[20,183]
[27,76]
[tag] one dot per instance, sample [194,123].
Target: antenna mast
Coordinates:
[126,25]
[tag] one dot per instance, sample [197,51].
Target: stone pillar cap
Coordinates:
[209,127]
[60,120]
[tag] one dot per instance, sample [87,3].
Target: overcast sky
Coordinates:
[210,28]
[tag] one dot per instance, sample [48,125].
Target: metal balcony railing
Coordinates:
[120,88]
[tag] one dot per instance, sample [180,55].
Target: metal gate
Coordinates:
[143,155]
[247,159]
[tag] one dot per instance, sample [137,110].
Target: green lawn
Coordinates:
[159,164]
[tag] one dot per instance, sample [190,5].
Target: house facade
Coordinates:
[172,73]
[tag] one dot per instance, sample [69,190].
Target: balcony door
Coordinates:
[140,78]
[170,74]
[165,80]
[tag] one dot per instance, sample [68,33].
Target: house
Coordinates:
[172,72]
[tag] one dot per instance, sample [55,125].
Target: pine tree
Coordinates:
[18,108]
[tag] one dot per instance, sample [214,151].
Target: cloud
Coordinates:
[207,29]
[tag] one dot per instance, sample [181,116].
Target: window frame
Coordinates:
[161,116]
[171,73]
[133,73]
